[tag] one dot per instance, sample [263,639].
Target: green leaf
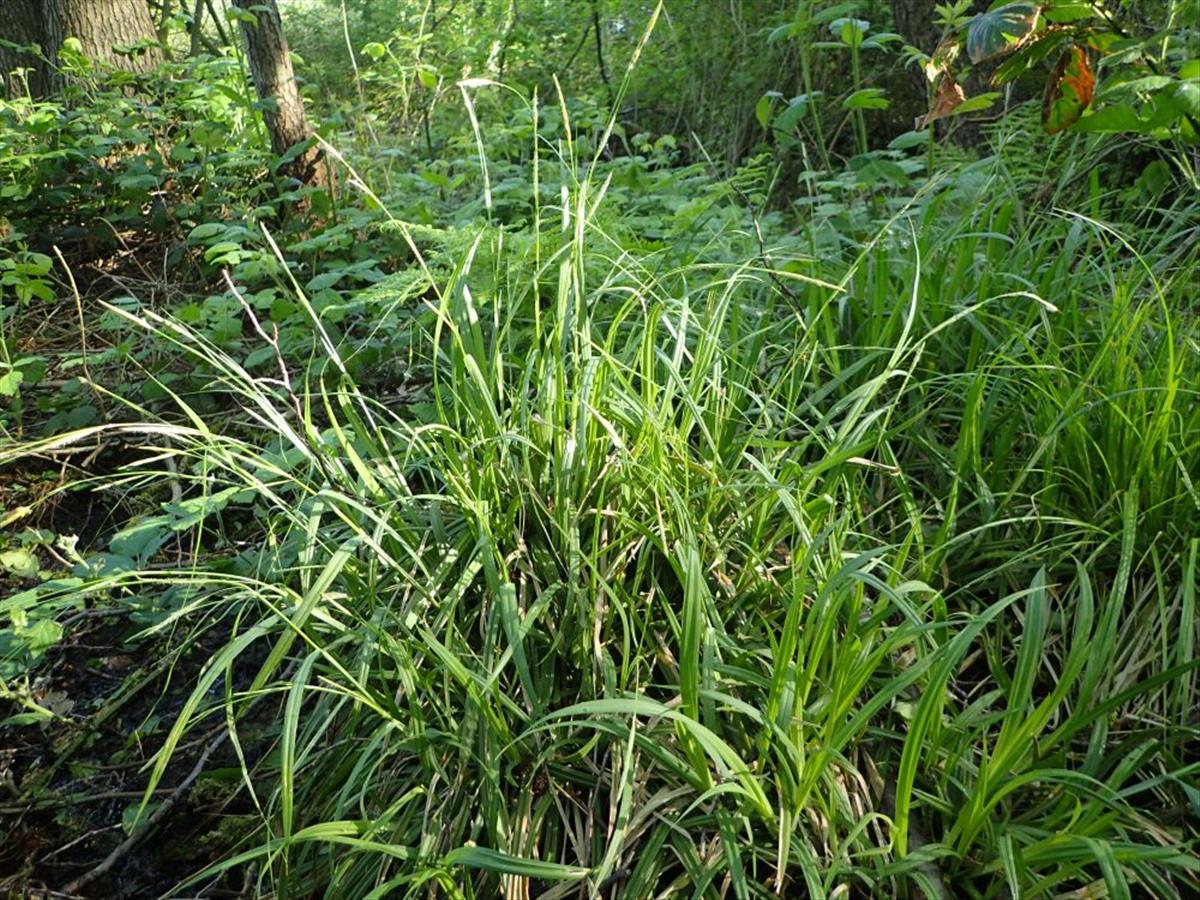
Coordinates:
[850,30]
[908,140]
[10,383]
[877,170]
[137,182]
[33,368]
[976,103]
[867,98]
[81,416]
[20,562]
[29,718]
[496,861]
[205,231]
[1186,98]
[134,814]
[141,540]
[40,289]
[259,356]
[325,280]
[762,109]
[224,253]
[375,50]
[101,564]
[781,31]
[997,30]
[788,119]
[881,40]
[1070,12]
[1116,117]
[1035,50]
[929,710]
[42,635]
[233,14]
[1133,90]
[36,264]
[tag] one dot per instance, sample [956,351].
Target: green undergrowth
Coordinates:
[731,572]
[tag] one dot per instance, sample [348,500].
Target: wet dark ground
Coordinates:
[69,787]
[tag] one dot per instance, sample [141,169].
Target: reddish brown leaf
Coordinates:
[948,98]
[1068,92]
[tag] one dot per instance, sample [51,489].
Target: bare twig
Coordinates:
[216,20]
[599,32]
[82,325]
[437,22]
[362,99]
[575,53]
[79,840]
[763,254]
[72,800]
[151,823]
[272,341]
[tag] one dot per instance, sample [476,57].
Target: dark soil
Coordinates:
[68,790]
[69,787]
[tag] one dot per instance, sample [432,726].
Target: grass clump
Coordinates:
[621,542]
[862,575]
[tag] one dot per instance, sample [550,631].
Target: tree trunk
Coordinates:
[913,20]
[99,25]
[196,29]
[271,69]
[22,24]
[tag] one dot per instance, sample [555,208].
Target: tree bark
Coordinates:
[271,69]
[100,25]
[23,24]
[913,20]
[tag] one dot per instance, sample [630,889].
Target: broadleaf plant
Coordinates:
[1105,77]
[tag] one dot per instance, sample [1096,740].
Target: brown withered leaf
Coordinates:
[1068,92]
[948,97]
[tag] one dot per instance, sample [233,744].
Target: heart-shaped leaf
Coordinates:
[1000,30]
[20,562]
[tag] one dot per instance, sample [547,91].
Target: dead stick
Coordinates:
[159,815]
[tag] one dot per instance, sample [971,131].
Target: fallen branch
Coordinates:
[151,823]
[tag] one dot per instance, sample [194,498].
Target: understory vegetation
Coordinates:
[624,481]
